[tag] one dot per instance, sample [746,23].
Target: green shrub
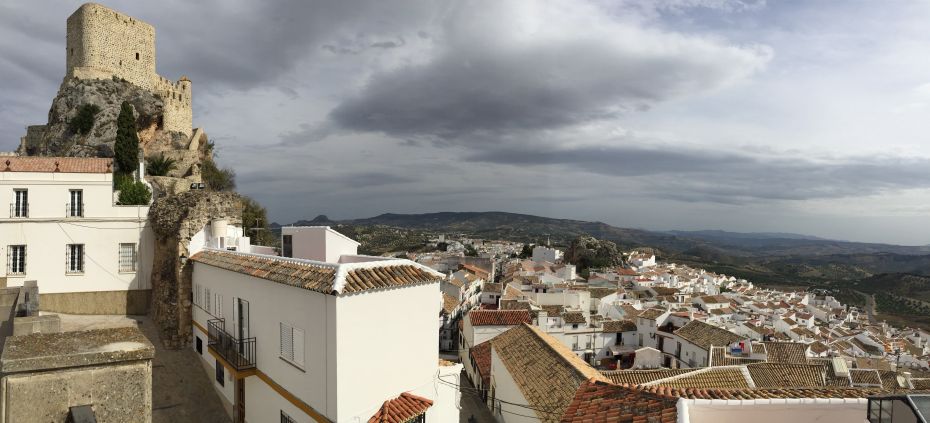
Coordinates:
[135,194]
[159,165]
[83,121]
[215,178]
[122,179]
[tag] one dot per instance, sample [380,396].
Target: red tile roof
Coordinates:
[56,164]
[401,409]
[499,317]
[604,402]
[321,277]
[481,354]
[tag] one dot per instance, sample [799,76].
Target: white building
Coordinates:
[311,340]
[319,243]
[64,230]
[546,254]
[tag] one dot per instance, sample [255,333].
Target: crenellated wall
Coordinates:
[103,43]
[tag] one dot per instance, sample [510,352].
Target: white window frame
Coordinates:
[75,209]
[134,258]
[291,344]
[11,260]
[70,262]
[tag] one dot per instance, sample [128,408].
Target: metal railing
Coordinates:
[74,210]
[19,210]
[239,353]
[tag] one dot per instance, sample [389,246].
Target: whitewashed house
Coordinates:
[300,340]
[546,254]
[63,229]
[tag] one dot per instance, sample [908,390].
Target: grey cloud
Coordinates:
[728,177]
[494,81]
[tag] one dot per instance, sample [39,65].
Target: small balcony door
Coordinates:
[242,318]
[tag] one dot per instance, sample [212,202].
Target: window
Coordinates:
[20,205]
[137,56]
[127,257]
[199,345]
[218,305]
[74,258]
[16,260]
[287,419]
[292,344]
[220,376]
[207,300]
[76,205]
[288,246]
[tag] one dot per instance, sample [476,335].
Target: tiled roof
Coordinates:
[552,310]
[449,303]
[786,352]
[652,313]
[728,377]
[603,402]
[326,278]
[889,380]
[781,375]
[921,383]
[704,335]
[720,357]
[749,394]
[601,292]
[481,354]
[56,164]
[818,347]
[867,348]
[639,377]
[865,377]
[491,288]
[546,371]
[573,317]
[401,409]
[511,293]
[714,299]
[498,317]
[829,375]
[617,326]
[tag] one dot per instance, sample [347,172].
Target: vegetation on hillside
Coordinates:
[126,148]
[159,165]
[216,178]
[83,120]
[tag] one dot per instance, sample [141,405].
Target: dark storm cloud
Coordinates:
[490,77]
[729,177]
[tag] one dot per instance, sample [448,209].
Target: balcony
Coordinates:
[239,353]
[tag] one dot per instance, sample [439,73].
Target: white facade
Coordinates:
[546,254]
[318,243]
[69,232]
[342,344]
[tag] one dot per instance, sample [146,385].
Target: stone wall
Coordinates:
[176,219]
[103,43]
[102,39]
[131,302]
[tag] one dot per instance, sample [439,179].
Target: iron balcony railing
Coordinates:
[239,353]
[19,209]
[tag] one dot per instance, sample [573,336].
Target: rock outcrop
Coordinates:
[176,219]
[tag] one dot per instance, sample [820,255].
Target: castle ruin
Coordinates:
[103,44]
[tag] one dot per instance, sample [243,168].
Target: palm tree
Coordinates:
[160,165]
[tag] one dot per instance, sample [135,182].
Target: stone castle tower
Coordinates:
[103,43]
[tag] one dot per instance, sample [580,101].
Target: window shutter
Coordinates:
[219,305]
[287,341]
[298,341]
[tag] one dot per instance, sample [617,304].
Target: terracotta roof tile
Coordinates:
[481,354]
[498,317]
[720,357]
[449,303]
[544,369]
[603,402]
[617,326]
[865,377]
[318,276]
[56,164]
[726,377]
[574,317]
[786,352]
[638,377]
[782,375]
[704,335]
[401,409]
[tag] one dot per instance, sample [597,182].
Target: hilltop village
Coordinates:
[141,295]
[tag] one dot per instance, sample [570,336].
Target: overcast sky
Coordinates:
[807,117]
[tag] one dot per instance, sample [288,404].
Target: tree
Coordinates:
[255,222]
[527,251]
[470,251]
[159,165]
[217,179]
[127,140]
[83,121]
[135,194]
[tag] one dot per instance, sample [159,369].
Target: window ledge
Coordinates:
[16,275]
[298,366]
[74,273]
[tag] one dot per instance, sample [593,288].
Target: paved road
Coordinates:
[472,404]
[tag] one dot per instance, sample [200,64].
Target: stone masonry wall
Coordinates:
[103,43]
[176,219]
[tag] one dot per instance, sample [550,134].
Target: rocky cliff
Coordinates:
[58,138]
